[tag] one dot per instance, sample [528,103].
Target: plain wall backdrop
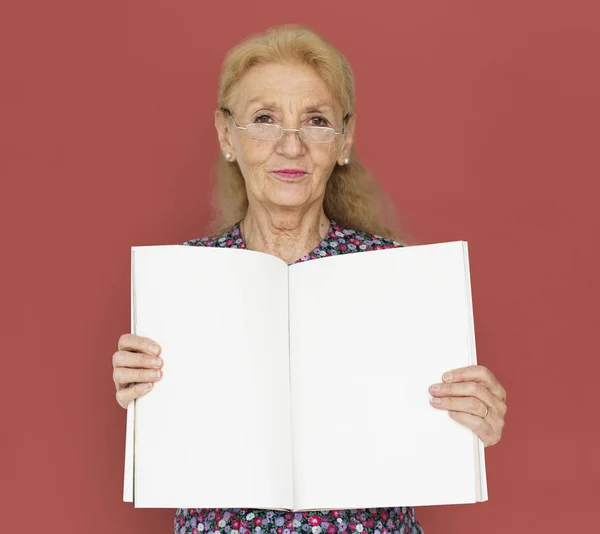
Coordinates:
[481,119]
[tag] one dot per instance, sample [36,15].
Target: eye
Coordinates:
[258,119]
[322,121]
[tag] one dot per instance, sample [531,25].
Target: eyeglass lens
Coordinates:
[310,134]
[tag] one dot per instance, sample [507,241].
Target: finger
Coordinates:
[465,389]
[123,376]
[470,405]
[133,343]
[123,358]
[126,395]
[481,427]
[476,373]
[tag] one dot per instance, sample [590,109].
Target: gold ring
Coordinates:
[487,410]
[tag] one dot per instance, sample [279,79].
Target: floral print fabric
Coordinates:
[398,520]
[252,521]
[339,240]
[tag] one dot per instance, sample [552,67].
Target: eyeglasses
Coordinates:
[273,132]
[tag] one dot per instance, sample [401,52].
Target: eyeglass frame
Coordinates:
[348,115]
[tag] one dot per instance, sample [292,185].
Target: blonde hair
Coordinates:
[352,197]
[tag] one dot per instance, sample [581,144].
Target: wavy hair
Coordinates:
[352,196]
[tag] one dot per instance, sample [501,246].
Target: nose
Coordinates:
[290,144]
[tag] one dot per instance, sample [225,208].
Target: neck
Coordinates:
[287,236]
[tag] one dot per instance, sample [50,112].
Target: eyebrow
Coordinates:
[271,104]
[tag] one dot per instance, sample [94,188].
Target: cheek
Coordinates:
[252,159]
[253,152]
[323,159]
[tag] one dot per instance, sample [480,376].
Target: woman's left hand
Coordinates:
[473,397]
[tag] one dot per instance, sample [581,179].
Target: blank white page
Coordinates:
[370,332]
[215,431]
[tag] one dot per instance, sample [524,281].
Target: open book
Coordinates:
[301,387]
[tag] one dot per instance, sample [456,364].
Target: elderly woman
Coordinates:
[290,184]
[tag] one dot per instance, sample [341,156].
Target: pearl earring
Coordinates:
[346,161]
[228,155]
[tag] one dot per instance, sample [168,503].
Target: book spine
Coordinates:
[290,386]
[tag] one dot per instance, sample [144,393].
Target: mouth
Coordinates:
[290,174]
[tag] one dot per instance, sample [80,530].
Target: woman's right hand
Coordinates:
[136,366]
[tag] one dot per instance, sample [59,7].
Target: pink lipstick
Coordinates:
[290,174]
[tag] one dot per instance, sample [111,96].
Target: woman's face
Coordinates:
[290,96]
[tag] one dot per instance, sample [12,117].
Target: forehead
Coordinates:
[277,85]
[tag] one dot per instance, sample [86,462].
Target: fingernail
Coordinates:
[145,386]
[447,377]
[156,362]
[153,348]
[435,400]
[435,387]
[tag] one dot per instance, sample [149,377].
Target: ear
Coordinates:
[348,140]
[223,127]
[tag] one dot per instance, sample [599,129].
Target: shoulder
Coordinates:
[229,238]
[344,240]
[352,240]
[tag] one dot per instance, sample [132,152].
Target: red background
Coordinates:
[482,119]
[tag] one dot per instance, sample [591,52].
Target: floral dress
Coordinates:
[397,520]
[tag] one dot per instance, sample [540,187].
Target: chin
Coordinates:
[287,201]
